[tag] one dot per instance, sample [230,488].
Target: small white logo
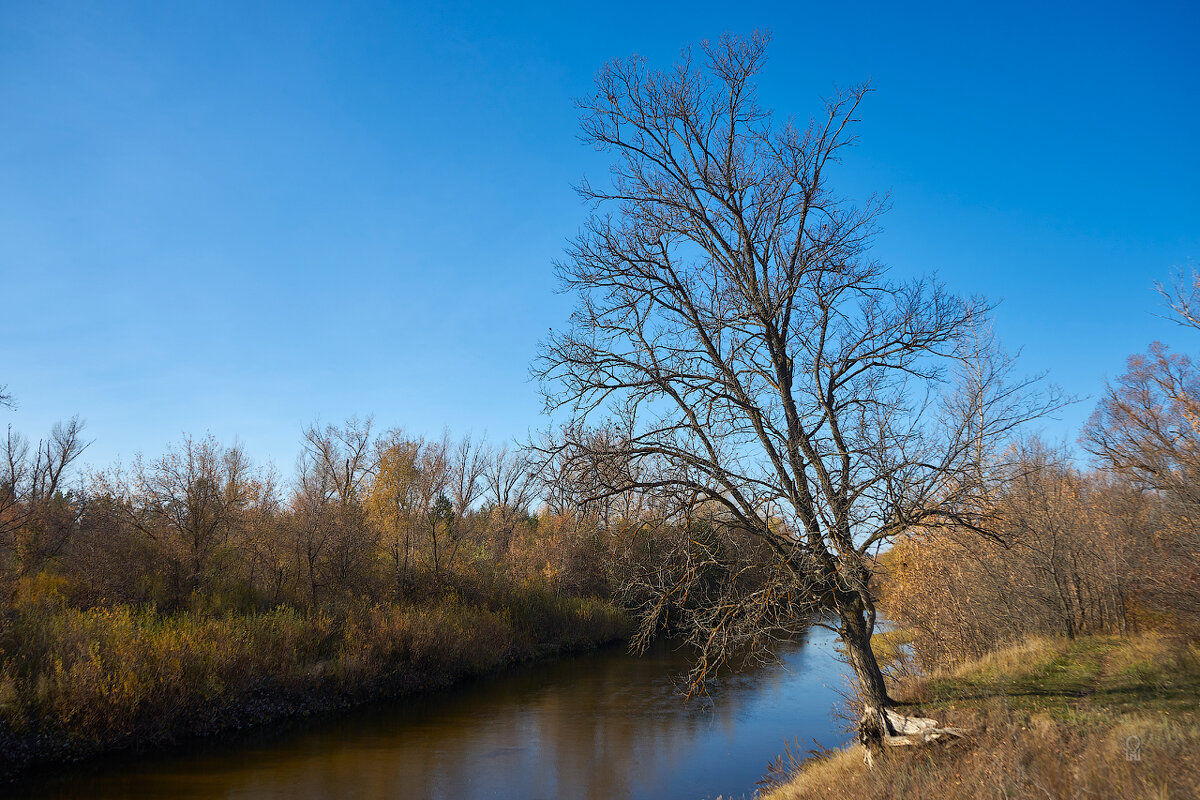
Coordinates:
[1133,748]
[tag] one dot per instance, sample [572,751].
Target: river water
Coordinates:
[600,725]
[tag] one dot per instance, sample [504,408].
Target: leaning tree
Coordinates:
[746,358]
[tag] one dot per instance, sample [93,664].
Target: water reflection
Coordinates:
[606,725]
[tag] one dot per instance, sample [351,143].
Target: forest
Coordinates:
[1089,540]
[195,591]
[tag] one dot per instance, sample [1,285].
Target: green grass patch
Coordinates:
[1044,674]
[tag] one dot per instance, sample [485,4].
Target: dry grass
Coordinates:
[1094,718]
[823,777]
[75,681]
[1029,656]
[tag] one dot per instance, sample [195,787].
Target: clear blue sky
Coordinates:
[241,217]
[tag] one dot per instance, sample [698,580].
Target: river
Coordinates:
[600,725]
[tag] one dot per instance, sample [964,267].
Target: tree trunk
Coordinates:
[856,636]
[433,539]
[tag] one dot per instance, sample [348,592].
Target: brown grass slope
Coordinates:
[1098,717]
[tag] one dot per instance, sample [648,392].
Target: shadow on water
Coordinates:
[602,725]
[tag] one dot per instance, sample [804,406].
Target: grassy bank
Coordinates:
[75,682]
[1098,717]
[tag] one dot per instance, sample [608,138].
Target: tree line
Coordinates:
[1108,548]
[368,514]
[194,591]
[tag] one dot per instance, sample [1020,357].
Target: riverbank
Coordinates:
[604,723]
[1096,717]
[76,683]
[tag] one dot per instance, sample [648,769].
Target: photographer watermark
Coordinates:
[1133,748]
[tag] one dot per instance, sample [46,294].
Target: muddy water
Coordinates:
[602,725]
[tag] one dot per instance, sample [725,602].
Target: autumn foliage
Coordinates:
[194,591]
[1109,549]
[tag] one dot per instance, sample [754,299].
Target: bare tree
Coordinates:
[1146,429]
[467,463]
[35,511]
[336,469]
[753,361]
[508,490]
[313,521]
[1183,298]
[342,455]
[1147,425]
[189,501]
[508,479]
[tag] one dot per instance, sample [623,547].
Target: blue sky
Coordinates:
[240,218]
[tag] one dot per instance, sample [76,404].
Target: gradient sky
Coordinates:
[242,217]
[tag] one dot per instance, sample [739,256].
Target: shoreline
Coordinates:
[24,754]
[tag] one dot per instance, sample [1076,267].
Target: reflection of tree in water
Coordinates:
[600,726]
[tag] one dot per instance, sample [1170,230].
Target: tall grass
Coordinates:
[86,679]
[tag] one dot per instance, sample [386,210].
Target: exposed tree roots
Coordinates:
[880,728]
